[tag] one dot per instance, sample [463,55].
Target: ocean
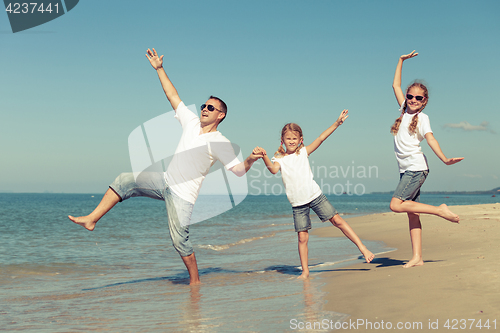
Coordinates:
[125,276]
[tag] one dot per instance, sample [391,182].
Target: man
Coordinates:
[200,146]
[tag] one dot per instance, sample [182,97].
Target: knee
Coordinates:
[123,180]
[181,244]
[303,237]
[337,221]
[395,205]
[125,177]
[184,248]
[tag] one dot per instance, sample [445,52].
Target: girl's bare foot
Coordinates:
[367,254]
[84,221]
[303,276]
[448,214]
[414,262]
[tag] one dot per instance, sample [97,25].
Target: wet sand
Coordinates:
[459,280]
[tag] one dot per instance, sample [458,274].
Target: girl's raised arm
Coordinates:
[396,84]
[316,143]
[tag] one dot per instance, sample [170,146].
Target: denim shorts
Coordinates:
[321,206]
[153,185]
[409,185]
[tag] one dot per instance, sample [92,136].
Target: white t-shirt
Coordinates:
[195,154]
[407,147]
[298,178]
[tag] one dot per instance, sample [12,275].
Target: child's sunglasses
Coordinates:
[209,107]
[418,98]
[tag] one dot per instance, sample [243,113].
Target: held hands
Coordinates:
[258,152]
[450,161]
[343,116]
[156,62]
[409,56]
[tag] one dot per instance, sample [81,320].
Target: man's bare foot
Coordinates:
[448,214]
[84,221]
[303,276]
[367,254]
[414,262]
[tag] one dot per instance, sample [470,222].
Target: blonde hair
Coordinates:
[414,121]
[293,128]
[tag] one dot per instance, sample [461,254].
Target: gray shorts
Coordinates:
[153,185]
[409,185]
[321,206]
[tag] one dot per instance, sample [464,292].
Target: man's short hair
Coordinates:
[223,107]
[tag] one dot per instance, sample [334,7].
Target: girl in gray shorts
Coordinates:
[409,130]
[302,191]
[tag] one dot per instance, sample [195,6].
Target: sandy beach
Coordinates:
[458,283]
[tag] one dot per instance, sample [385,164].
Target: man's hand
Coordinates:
[166,84]
[343,116]
[242,168]
[156,62]
[257,153]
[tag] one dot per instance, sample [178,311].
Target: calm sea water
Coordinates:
[125,276]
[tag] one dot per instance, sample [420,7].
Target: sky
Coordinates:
[73,89]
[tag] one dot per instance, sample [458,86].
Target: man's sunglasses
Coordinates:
[209,107]
[418,98]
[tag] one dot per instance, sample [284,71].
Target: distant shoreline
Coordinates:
[494,191]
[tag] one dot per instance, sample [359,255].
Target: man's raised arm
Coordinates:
[168,87]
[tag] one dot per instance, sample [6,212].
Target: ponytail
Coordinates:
[413,125]
[395,126]
[280,152]
[414,122]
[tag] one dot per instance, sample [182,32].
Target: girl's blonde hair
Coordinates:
[293,128]
[414,121]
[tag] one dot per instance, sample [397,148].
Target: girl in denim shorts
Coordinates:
[302,191]
[409,130]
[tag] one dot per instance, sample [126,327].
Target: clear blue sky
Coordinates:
[73,89]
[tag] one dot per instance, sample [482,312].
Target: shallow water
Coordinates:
[126,277]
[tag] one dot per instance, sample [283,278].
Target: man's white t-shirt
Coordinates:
[298,178]
[195,154]
[407,146]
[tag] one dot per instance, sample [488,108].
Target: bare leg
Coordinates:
[192,267]
[416,241]
[400,206]
[340,223]
[303,237]
[108,201]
